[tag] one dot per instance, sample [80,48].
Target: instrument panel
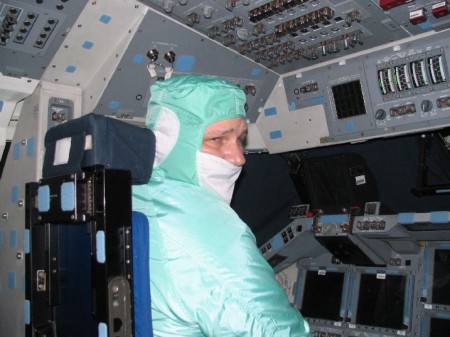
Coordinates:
[399,89]
[367,275]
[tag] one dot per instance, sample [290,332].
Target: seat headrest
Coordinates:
[98,140]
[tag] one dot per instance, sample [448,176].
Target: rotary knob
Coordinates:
[380,114]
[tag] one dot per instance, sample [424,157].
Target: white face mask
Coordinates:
[217,175]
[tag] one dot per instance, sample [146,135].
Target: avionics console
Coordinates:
[366,275]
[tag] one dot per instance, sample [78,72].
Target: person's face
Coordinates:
[225,139]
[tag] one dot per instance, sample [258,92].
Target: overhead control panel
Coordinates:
[286,35]
[150,57]
[31,32]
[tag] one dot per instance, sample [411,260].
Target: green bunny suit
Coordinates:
[208,277]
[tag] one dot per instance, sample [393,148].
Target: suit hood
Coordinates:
[179,111]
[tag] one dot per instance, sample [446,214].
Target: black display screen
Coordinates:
[381,301]
[349,100]
[441,277]
[322,295]
[439,327]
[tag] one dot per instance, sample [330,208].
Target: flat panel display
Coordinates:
[441,277]
[439,327]
[322,295]
[381,301]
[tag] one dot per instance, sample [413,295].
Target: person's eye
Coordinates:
[242,139]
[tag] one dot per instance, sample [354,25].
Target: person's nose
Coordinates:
[235,154]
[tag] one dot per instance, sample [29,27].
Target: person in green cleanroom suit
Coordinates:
[208,277]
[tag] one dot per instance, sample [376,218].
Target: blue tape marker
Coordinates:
[43,198]
[12,239]
[113,105]
[87,45]
[12,280]
[407,305]
[270,111]
[277,242]
[68,196]
[102,330]
[292,106]
[318,99]
[333,218]
[185,63]
[439,217]
[275,134]
[26,241]
[31,146]
[1,105]
[350,126]
[16,151]
[71,69]
[105,19]
[1,238]
[426,263]
[405,218]
[24,283]
[138,59]
[27,311]
[425,25]
[344,294]
[309,223]
[100,246]
[255,72]
[15,194]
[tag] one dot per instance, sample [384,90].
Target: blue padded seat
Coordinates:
[141,276]
[95,139]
